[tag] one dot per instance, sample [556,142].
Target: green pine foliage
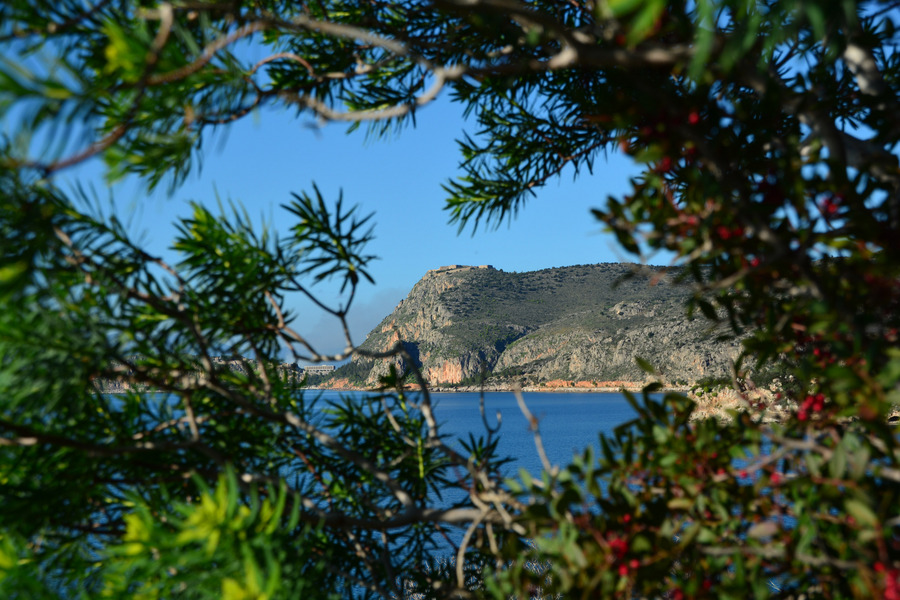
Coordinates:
[767,133]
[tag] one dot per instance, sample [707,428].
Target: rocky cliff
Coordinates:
[582,323]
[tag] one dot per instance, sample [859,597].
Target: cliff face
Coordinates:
[574,323]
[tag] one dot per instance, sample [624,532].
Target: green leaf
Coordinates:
[661,435]
[644,365]
[680,503]
[669,460]
[646,20]
[860,511]
[125,55]
[707,309]
[526,478]
[641,543]
[705,39]
[837,465]
[620,8]
[816,17]
[651,154]
[13,272]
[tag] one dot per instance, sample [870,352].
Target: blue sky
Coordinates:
[260,160]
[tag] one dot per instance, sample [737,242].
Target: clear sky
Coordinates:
[260,160]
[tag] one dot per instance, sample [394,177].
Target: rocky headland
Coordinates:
[567,328]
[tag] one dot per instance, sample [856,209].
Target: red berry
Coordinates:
[891,589]
[618,546]
[828,207]
[694,117]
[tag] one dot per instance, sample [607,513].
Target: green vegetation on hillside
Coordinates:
[766,133]
[539,297]
[496,325]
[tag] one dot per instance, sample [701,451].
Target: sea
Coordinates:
[568,421]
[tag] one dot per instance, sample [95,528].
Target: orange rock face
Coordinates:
[338,384]
[448,372]
[558,383]
[591,385]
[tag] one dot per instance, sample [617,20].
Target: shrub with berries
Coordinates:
[767,134]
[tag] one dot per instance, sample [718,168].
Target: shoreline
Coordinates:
[630,386]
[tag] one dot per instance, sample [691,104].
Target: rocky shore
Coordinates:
[556,385]
[721,403]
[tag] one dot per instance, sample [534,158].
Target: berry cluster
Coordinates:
[891,581]
[811,404]
[830,205]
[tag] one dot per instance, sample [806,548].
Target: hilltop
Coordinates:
[565,326]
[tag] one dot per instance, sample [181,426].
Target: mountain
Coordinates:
[580,324]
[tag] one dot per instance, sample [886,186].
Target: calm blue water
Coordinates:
[569,422]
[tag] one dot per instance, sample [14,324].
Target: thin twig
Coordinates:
[535,432]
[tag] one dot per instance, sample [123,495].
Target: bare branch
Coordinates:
[207,55]
[535,432]
[28,436]
[862,64]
